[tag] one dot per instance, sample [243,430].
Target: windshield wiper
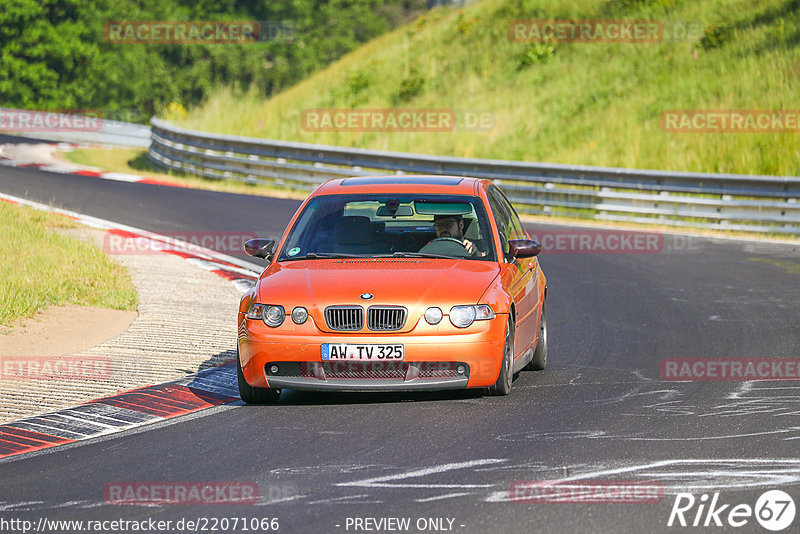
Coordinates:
[323,255]
[420,255]
[334,255]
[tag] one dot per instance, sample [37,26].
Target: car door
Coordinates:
[519,275]
[522,273]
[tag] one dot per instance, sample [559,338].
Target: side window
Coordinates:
[516,231]
[502,218]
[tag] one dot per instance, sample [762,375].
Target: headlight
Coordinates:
[433,315]
[299,315]
[272,315]
[463,316]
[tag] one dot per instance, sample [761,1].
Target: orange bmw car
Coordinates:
[398,283]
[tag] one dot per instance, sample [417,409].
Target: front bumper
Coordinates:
[367,385]
[363,376]
[313,384]
[432,358]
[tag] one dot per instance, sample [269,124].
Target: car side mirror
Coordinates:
[259,248]
[524,248]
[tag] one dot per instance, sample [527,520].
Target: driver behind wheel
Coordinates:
[452,226]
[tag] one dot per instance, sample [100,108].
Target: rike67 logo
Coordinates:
[774,510]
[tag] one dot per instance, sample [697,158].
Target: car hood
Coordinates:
[413,283]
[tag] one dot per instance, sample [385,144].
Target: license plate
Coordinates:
[367,353]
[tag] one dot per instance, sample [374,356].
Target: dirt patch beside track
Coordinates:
[60,330]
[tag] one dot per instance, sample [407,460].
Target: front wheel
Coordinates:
[503,384]
[254,395]
[539,360]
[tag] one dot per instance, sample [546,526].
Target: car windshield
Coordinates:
[436,226]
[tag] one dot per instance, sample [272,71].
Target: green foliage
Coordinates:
[715,36]
[621,7]
[592,103]
[54,53]
[410,87]
[534,54]
[355,86]
[466,25]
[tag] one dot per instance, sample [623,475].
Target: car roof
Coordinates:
[405,183]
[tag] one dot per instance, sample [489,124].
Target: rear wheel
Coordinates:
[254,395]
[539,360]
[503,384]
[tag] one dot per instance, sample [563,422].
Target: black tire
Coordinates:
[254,395]
[506,376]
[539,360]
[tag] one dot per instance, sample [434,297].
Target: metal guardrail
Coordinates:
[703,200]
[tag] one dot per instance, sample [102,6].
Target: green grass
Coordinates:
[574,103]
[40,267]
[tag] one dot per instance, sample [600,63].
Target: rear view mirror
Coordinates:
[401,211]
[259,248]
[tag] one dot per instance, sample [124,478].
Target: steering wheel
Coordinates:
[448,246]
[448,239]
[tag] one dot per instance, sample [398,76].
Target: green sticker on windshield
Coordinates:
[293,252]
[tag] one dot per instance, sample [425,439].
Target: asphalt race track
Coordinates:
[600,412]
